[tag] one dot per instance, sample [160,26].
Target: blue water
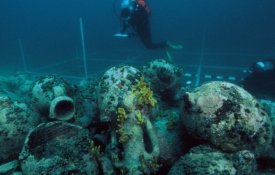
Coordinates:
[49,30]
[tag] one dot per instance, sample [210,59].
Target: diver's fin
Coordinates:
[174,46]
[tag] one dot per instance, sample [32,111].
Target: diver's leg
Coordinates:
[144,32]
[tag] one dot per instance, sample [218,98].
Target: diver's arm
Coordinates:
[127,29]
[125,17]
[125,26]
[123,31]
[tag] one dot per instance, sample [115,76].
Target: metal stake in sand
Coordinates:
[198,75]
[22,55]
[83,48]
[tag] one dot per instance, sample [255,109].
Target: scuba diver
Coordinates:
[260,80]
[135,21]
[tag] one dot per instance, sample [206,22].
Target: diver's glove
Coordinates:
[121,35]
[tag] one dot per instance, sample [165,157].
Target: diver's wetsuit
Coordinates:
[139,21]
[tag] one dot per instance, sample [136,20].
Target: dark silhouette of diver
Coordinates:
[260,80]
[135,20]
